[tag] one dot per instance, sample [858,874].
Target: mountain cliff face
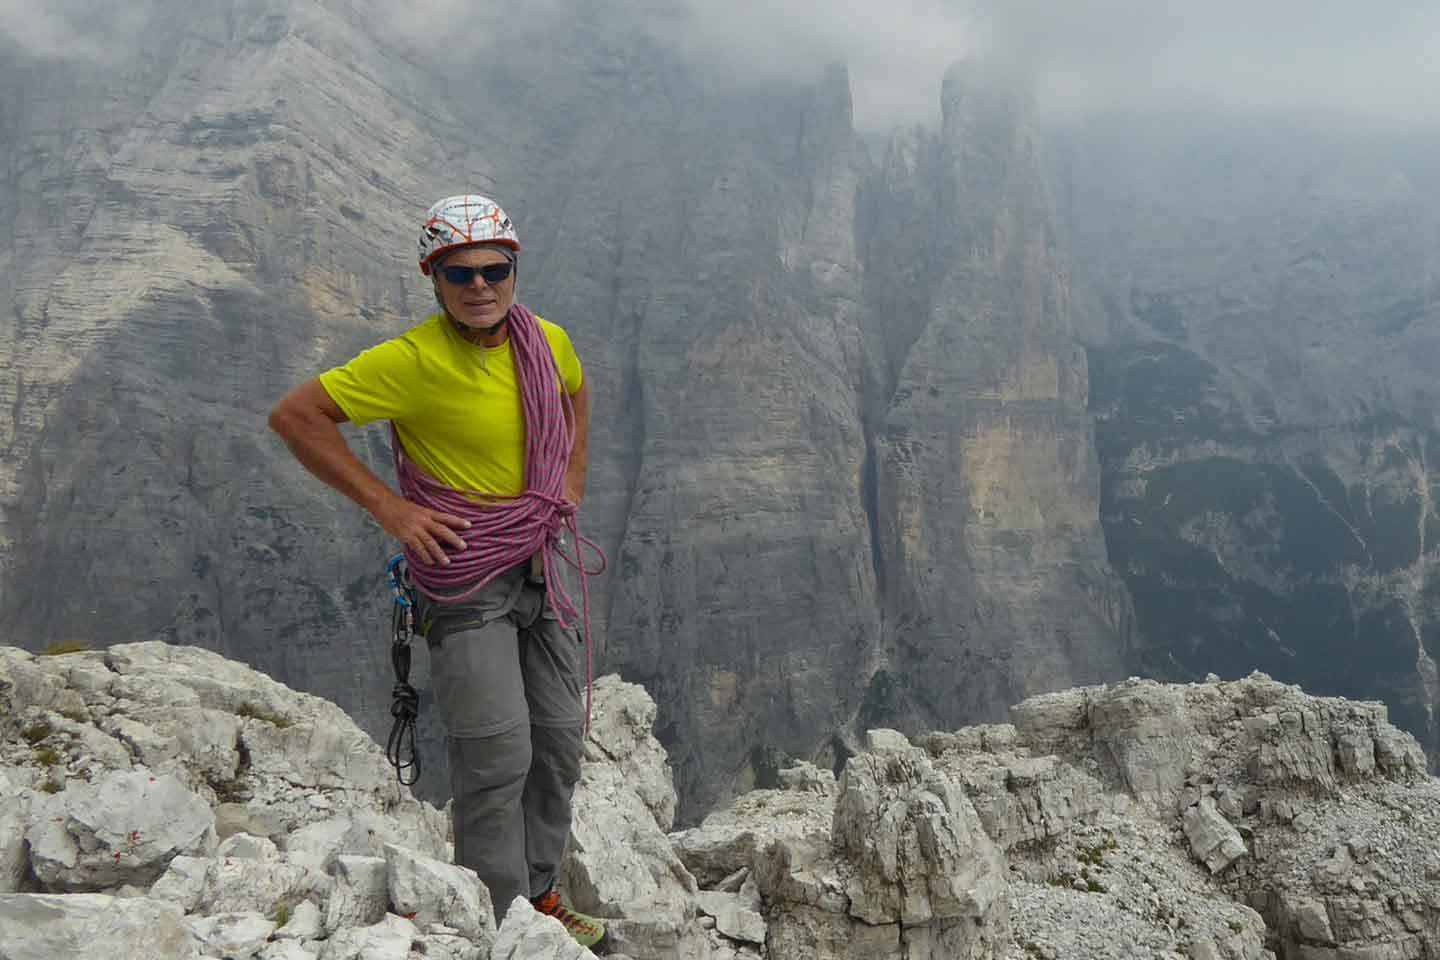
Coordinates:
[1261,309]
[841,461]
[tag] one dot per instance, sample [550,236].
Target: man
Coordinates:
[489,412]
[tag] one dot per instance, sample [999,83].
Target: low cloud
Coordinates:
[72,31]
[1372,60]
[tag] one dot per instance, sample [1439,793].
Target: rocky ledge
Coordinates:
[159,801]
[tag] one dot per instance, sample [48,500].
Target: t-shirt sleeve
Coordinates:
[565,358]
[374,385]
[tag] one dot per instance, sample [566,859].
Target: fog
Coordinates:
[1361,60]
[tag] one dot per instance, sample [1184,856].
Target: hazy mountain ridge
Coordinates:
[1263,344]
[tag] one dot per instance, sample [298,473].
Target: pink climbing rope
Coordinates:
[505,532]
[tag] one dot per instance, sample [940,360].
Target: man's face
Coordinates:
[476,304]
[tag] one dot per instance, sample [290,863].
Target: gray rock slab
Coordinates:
[390,937]
[735,915]
[527,935]
[235,936]
[429,891]
[361,894]
[1213,840]
[92,927]
[124,828]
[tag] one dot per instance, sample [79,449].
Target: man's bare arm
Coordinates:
[580,452]
[308,420]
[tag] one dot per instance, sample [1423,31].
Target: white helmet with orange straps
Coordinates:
[460,222]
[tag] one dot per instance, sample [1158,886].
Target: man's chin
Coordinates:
[481,322]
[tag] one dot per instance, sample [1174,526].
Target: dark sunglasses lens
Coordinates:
[462,276]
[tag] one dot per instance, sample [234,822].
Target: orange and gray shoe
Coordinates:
[587,931]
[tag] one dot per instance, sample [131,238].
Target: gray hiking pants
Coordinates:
[507,680]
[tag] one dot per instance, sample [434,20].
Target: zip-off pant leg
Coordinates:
[506,679]
[550,659]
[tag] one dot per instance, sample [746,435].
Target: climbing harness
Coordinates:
[404,701]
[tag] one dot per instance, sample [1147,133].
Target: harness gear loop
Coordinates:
[404,700]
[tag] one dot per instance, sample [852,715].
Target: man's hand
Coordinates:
[574,488]
[424,531]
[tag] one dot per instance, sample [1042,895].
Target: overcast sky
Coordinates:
[1373,59]
[1377,58]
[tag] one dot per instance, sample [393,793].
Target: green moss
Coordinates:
[50,786]
[1094,854]
[1236,926]
[47,757]
[35,732]
[233,790]
[255,713]
[282,913]
[64,647]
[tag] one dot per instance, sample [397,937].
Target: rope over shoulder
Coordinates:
[505,531]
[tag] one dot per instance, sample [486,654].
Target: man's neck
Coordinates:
[494,337]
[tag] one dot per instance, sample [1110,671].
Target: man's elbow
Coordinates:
[287,416]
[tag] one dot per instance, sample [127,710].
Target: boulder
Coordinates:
[123,829]
[91,926]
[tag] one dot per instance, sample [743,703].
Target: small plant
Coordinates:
[230,791]
[37,731]
[1095,855]
[1236,926]
[50,786]
[282,913]
[252,712]
[47,757]
[63,647]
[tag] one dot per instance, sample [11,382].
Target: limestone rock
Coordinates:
[428,891]
[1144,729]
[237,885]
[527,935]
[391,936]
[807,777]
[305,923]
[620,865]
[1213,840]
[620,733]
[1041,839]
[237,935]
[736,916]
[124,828]
[730,840]
[361,895]
[92,927]
[920,853]
[13,855]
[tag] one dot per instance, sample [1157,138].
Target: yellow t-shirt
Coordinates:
[455,405]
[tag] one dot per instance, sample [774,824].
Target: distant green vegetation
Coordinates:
[63,647]
[34,732]
[255,713]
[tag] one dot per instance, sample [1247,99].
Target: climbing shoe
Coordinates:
[587,931]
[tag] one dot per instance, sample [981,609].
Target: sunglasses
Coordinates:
[491,273]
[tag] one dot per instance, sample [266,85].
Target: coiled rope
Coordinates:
[503,531]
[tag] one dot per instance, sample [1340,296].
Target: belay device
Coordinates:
[404,701]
